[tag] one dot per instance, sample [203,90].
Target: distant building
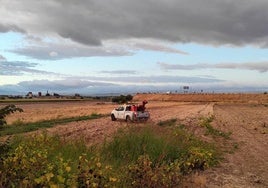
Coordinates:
[56,95]
[47,95]
[186,89]
[39,94]
[29,94]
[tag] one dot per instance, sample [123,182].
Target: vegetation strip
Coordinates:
[205,122]
[21,127]
[154,156]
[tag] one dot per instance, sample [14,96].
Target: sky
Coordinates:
[94,47]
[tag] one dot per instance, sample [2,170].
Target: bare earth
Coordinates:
[246,166]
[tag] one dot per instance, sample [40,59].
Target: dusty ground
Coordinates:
[247,166]
[245,163]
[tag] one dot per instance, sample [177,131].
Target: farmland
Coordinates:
[239,127]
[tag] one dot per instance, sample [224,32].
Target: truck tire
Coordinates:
[113,117]
[128,119]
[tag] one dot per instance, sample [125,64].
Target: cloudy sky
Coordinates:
[114,46]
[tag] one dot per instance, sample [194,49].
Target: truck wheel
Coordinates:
[128,119]
[113,118]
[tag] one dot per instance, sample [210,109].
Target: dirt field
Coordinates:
[245,161]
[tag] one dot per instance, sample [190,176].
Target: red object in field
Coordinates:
[142,107]
[133,108]
[144,102]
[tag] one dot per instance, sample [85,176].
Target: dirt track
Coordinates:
[248,165]
[245,166]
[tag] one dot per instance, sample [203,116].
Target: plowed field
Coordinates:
[245,162]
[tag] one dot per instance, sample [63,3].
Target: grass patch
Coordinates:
[161,145]
[21,127]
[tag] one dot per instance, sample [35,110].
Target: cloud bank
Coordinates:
[262,67]
[17,68]
[213,22]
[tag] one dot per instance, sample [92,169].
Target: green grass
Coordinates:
[21,127]
[160,144]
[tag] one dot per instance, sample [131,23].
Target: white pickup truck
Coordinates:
[129,113]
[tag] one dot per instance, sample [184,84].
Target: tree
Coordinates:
[122,99]
[9,109]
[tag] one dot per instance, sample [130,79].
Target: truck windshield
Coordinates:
[121,108]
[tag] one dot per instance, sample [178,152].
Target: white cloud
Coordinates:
[16,68]
[257,66]
[53,54]
[127,72]
[86,87]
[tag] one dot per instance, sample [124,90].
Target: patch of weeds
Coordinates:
[205,122]
[145,157]
[143,173]
[235,146]
[169,122]
[181,126]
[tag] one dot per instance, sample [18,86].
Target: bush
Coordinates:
[122,99]
[144,174]
[6,111]
[43,161]
[92,173]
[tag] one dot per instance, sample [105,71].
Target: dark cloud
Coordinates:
[10,27]
[20,68]
[213,22]
[257,66]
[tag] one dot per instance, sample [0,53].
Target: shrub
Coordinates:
[43,161]
[29,164]
[92,173]
[122,99]
[197,158]
[6,111]
[144,174]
